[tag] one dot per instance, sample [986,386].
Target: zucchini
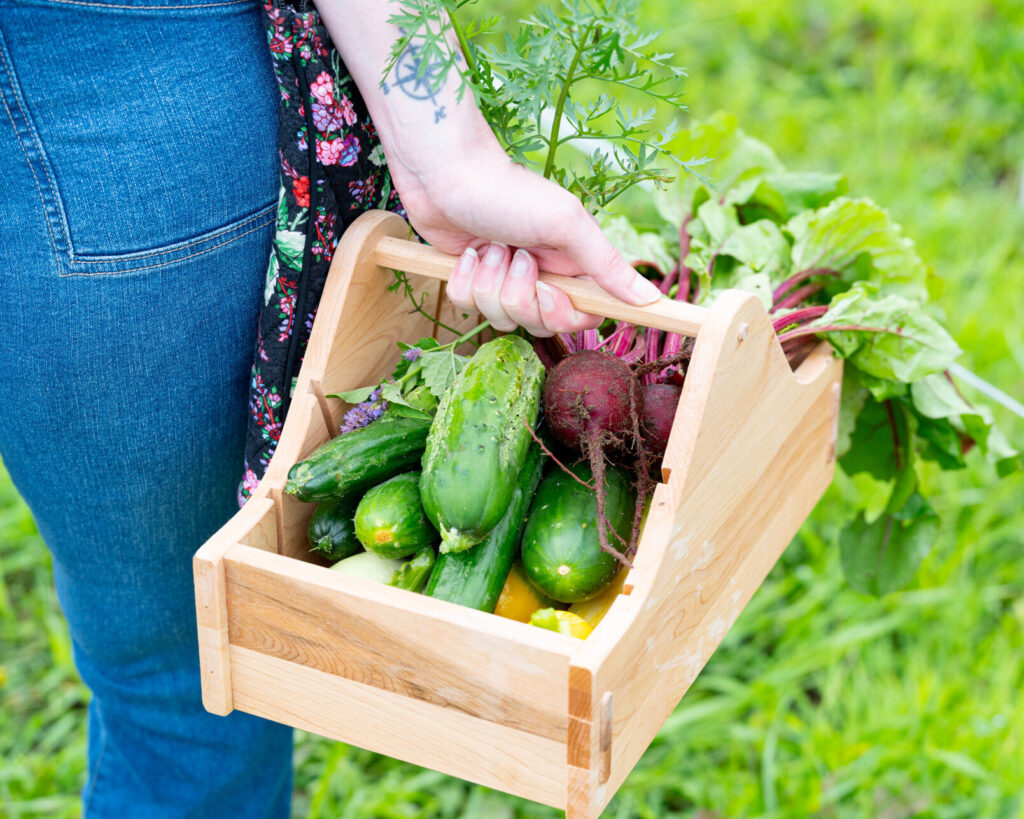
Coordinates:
[561,552]
[390,521]
[359,459]
[331,531]
[475,578]
[478,441]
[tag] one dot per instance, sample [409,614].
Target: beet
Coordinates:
[657,415]
[590,398]
[592,404]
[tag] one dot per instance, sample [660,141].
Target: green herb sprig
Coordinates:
[556,81]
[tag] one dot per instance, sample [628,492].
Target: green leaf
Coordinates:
[911,343]
[879,441]
[851,402]
[803,191]
[884,555]
[440,369]
[760,245]
[838,235]
[635,246]
[357,396]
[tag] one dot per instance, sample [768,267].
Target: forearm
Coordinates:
[420,126]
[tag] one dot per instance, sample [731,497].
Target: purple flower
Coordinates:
[364,414]
[412,353]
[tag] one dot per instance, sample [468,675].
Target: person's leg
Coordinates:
[139,198]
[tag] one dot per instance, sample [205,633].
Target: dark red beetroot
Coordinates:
[657,416]
[590,398]
[592,404]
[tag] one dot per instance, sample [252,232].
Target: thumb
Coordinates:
[601,260]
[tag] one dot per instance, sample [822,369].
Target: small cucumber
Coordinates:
[359,459]
[475,577]
[478,441]
[561,552]
[369,566]
[408,574]
[414,572]
[390,521]
[332,531]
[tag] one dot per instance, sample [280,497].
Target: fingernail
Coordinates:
[495,253]
[644,290]
[468,262]
[545,297]
[520,264]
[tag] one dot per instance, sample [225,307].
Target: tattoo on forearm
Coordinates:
[416,85]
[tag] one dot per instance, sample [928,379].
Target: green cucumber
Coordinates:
[414,572]
[359,459]
[479,439]
[475,578]
[390,521]
[561,552]
[332,532]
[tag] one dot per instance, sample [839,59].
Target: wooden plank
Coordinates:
[423,733]
[462,659]
[587,297]
[750,455]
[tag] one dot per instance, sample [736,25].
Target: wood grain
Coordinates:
[426,649]
[410,729]
[587,297]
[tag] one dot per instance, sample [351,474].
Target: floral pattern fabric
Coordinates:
[322,192]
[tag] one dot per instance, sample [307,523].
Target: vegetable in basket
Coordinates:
[478,441]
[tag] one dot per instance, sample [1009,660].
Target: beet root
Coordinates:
[591,397]
[657,416]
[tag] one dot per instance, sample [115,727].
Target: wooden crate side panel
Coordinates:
[409,729]
[255,525]
[750,457]
[421,648]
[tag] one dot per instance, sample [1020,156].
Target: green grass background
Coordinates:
[820,702]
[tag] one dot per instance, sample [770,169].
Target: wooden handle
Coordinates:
[671,316]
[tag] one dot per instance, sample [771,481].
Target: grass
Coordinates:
[820,702]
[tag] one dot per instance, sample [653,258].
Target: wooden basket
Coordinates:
[521,709]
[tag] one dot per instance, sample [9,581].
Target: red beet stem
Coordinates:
[797,296]
[796,278]
[799,316]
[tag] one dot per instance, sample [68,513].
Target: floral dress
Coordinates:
[322,191]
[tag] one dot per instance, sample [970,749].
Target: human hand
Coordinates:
[506,221]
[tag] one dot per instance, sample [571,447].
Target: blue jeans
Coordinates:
[139,183]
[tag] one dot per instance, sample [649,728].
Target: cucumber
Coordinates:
[403,574]
[359,459]
[479,439]
[414,572]
[369,567]
[390,521]
[561,552]
[475,578]
[331,531]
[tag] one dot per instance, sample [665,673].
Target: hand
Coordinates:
[505,221]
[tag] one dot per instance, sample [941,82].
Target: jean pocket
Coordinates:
[151,137]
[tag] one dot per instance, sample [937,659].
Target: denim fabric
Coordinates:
[138,195]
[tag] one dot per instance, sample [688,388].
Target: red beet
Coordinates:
[657,416]
[592,404]
[589,399]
